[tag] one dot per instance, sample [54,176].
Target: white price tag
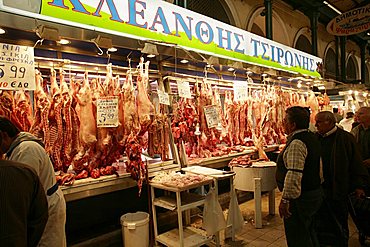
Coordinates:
[163,97]
[240,91]
[212,117]
[17,69]
[107,111]
[183,88]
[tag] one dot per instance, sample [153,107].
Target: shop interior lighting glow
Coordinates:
[264,74]
[2,31]
[299,85]
[364,94]
[64,42]
[249,72]
[184,61]
[230,69]
[279,77]
[151,55]
[350,91]
[321,87]
[356,93]
[112,49]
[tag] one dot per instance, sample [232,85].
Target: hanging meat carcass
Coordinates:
[56,126]
[41,127]
[67,123]
[87,124]
[7,107]
[145,107]
[23,109]
[130,115]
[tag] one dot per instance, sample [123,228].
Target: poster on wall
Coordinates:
[17,71]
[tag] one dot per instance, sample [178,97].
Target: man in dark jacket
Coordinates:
[362,134]
[298,177]
[343,173]
[23,205]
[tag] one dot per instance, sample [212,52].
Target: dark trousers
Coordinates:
[299,227]
[332,222]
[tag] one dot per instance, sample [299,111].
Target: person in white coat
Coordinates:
[25,148]
[346,123]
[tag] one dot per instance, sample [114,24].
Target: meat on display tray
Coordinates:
[211,160]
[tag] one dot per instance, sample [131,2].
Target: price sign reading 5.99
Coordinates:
[107,112]
[17,67]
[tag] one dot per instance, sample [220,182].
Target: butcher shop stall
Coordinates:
[120,94]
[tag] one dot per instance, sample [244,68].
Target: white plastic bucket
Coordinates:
[135,229]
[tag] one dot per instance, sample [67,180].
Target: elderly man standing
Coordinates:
[343,173]
[298,177]
[362,134]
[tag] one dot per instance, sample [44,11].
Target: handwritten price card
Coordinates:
[17,69]
[240,91]
[107,111]
[163,97]
[183,88]
[212,117]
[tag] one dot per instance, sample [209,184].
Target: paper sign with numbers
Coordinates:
[240,91]
[17,70]
[183,88]
[212,117]
[163,97]
[107,111]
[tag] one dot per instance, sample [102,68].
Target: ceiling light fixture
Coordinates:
[332,7]
[230,69]
[321,87]
[2,30]
[112,49]
[150,49]
[64,41]
[299,85]
[184,61]
[264,75]
[249,72]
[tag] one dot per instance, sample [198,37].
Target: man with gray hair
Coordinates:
[362,134]
[343,173]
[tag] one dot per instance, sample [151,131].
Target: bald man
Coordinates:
[343,173]
[362,134]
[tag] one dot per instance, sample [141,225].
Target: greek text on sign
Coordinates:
[107,111]
[212,117]
[17,69]
[183,88]
[240,91]
[163,97]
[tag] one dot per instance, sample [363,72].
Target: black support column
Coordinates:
[363,63]
[337,73]
[314,18]
[343,70]
[268,18]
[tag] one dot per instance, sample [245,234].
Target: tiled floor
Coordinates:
[272,233]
